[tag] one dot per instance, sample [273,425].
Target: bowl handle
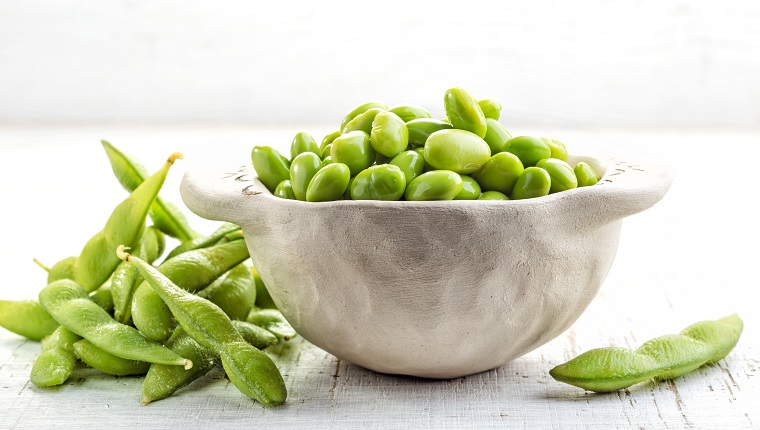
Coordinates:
[625,188]
[224,195]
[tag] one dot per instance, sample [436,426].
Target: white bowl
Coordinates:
[431,289]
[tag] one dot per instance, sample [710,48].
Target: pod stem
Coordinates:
[39,263]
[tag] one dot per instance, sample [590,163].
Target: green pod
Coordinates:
[491,108]
[533,182]
[411,163]
[360,110]
[493,195]
[285,191]
[499,173]
[204,241]
[103,297]
[263,298]
[108,363]
[496,136]
[191,271]
[354,150]
[585,174]
[420,129]
[64,269]
[56,361]
[557,148]
[125,225]
[162,381]
[273,321]
[388,135]
[530,150]
[562,175]
[26,318]
[258,337]
[463,112]
[252,371]
[409,112]
[381,182]
[271,166]
[71,306]
[131,173]
[457,150]
[610,369]
[234,293]
[362,122]
[329,183]
[125,278]
[303,167]
[303,142]
[470,189]
[434,185]
[328,140]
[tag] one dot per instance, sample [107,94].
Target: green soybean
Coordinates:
[124,226]
[57,360]
[491,108]
[409,112]
[470,189]
[130,174]
[108,363]
[533,182]
[125,278]
[71,306]
[362,122]
[457,150]
[328,140]
[558,149]
[380,182]
[354,150]
[493,195]
[389,135]
[252,371]
[271,166]
[529,149]
[285,190]
[496,136]
[585,174]
[562,175]
[234,292]
[420,129]
[302,168]
[329,183]
[325,152]
[263,298]
[303,142]
[411,163]
[26,318]
[272,320]
[463,112]
[434,185]
[610,369]
[499,173]
[361,109]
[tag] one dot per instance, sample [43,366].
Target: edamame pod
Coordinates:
[234,293]
[379,182]
[108,363]
[420,129]
[271,166]
[64,269]
[434,185]
[530,150]
[204,241]
[303,167]
[124,226]
[499,173]
[329,183]
[354,150]
[263,298]
[463,112]
[252,371]
[26,318]
[360,110]
[457,150]
[303,142]
[491,108]
[533,182]
[125,278]
[71,306]
[56,361]
[410,112]
[285,191]
[585,174]
[388,135]
[610,369]
[131,173]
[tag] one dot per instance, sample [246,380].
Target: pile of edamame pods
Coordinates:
[402,153]
[124,308]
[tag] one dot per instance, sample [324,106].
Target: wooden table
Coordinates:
[691,257]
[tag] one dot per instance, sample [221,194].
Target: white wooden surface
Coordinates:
[691,257]
[590,63]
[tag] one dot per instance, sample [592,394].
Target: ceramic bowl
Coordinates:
[431,289]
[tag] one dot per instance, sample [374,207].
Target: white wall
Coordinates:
[562,63]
